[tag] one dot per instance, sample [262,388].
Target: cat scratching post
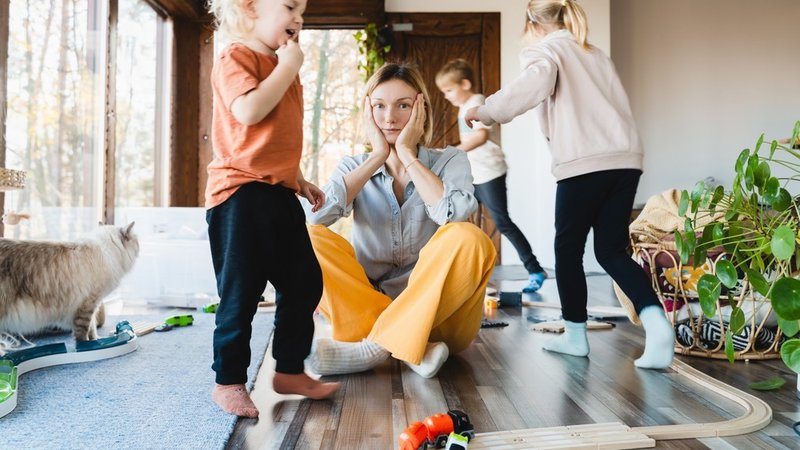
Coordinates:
[9,180]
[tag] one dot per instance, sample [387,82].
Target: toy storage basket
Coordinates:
[697,335]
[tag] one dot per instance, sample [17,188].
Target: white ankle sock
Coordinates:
[436,354]
[659,344]
[573,342]
[329,357]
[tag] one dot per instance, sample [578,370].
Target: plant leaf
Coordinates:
[772,146]
[708,289]
[768,385]
[737,320]
[697,192]
[741,160]
[758,281]
[789,327]
[783,200]
[758,144]
[683,204]
[749,177]
[729,350]
[683,253]
[719,192]
[762,174]
[782,243]
[718,232]
[790,354]
[786,298]
[700,256]
[727,273]
[771,189]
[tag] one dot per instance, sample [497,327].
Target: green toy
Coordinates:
[211,308]
[456,442]
[180,321]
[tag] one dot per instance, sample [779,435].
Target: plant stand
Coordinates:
[697,335]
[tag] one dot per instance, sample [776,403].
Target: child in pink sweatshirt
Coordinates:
[596,159]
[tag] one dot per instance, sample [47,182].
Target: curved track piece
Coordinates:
[757,415]
[17,363]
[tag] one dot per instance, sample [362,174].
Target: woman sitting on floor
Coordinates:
[412,283]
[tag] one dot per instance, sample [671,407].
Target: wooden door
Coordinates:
[430,40]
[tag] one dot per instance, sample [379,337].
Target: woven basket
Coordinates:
[697,335]
[11,179]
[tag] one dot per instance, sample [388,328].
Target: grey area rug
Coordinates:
[157,397]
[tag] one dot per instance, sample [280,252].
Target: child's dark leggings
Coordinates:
[493,195]
[260,235]
[601,201]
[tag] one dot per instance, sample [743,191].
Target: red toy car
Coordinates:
[435,429]
[414,437]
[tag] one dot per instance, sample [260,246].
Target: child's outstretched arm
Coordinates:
[536,82]
[252,107]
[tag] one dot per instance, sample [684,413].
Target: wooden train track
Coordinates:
[757,415]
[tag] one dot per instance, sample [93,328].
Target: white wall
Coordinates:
[705,79]
[531,187]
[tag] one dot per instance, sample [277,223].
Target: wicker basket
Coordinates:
[697,335]
[11,179]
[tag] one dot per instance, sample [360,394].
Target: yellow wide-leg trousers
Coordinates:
[443,300]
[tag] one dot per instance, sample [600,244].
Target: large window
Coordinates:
[54,125]
[332,89]
[57,102]
[332,92]
[140,99]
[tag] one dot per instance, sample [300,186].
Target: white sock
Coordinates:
[436,354]
[573,342]
[329,357]
[659,344]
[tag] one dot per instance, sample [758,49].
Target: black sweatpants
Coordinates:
[492,194]
[260,235]
[601,201]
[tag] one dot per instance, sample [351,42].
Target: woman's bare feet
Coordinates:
[302,384]
[234,399]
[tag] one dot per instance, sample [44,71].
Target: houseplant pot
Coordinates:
[759,231]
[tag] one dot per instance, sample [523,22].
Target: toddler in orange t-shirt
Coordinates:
[256,225]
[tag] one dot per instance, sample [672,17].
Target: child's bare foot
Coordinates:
[234,399]
[302,384]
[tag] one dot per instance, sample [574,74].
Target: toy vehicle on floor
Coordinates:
[436,430]
[456,442]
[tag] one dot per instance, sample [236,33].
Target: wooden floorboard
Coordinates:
[506,381]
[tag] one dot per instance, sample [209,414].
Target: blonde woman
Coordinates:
[411,284]
[597,161]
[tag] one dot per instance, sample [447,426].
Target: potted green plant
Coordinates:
[760,233]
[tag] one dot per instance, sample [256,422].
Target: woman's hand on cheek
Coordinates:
[380,148]
[410,136]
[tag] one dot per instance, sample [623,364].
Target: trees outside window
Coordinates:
[54,127]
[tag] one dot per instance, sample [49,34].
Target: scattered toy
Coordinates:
[435,429]
[456,442]
[14,364]
[485,323]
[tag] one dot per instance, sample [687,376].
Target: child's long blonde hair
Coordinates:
[411,76]
[566,13]
[232,18]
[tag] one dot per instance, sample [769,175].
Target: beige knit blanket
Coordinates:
[660,218]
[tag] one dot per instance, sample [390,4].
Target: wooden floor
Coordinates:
[505,381]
